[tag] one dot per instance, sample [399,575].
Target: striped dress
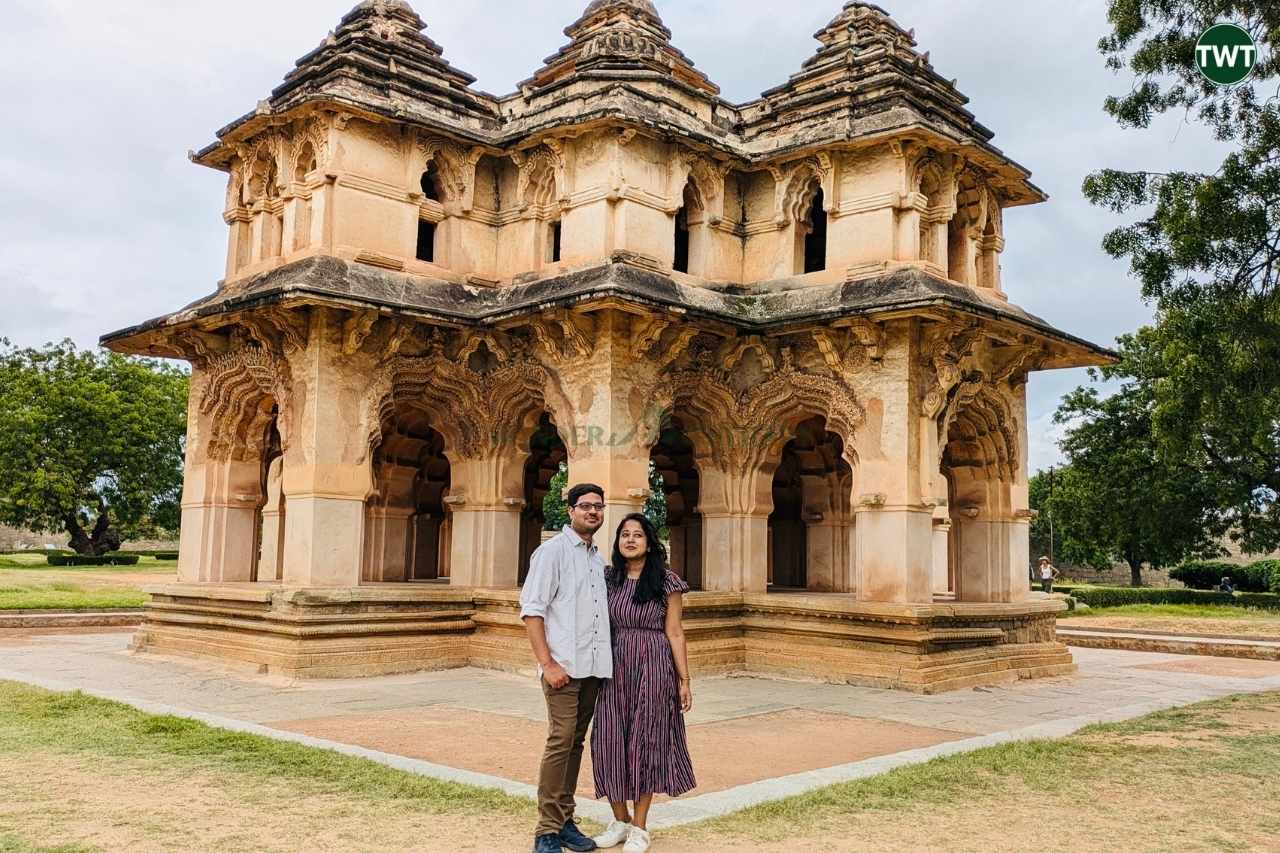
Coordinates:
[638,742]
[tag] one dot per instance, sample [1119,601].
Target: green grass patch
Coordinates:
[14,844]
[64,596]
[34,720]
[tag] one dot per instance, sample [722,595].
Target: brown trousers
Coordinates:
[569,712]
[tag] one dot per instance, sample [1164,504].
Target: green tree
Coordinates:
[1206,251]
[1118,497]
[556,512]
[90,443]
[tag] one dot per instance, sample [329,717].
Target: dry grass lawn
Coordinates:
[1181,619]
[82,774]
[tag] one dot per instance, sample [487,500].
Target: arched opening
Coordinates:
[961,248]
[933,242]
[815,241]
[673,459]
[270,526]
[306,164]
[988,547]
[689,237]
[407,523]
[430,182]
[546,454]
[811,528]
[681,262]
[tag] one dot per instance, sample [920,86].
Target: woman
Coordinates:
[638,744]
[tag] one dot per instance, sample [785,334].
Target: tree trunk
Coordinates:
[1135,569]
[100,541]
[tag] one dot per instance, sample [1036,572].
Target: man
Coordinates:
[565,608]
[1047,575]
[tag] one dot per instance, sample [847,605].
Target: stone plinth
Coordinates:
[394,628]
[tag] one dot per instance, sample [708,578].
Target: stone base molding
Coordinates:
[399,628]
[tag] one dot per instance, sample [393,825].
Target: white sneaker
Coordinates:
[614,835]
[637,841]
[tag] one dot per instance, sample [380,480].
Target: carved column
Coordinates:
[894,515]
[387,525]
[608,398]
[327,474]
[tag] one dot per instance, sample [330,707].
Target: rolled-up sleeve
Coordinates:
[540,586]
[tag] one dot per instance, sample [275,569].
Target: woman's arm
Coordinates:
[679,649]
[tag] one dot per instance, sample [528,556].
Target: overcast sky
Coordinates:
[104,222]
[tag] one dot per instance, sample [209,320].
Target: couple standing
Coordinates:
[609,644]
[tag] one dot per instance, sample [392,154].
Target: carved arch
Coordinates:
[243,390]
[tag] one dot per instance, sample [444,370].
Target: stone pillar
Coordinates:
[387,525]
[271,540]
[941,555]
[220,503]
[893,507]
[735,509]
[485,500]
[608,406]
[327,473]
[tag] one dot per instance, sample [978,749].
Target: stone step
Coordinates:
[1142,641]
[72,618]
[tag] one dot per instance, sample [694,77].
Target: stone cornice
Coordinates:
[770,307]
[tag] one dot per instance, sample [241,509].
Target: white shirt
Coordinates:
[566,587]
[1046,572]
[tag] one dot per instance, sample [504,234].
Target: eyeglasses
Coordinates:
[589,507]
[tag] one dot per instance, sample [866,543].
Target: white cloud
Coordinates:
[105,223]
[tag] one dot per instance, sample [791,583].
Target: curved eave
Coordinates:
[771,308]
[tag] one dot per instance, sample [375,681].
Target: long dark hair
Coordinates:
[654,575]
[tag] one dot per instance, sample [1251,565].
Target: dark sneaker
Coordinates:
[548,843]
[572,838]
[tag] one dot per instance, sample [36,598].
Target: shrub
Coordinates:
[1269,572]
[104,560]
[1207,574]
[158,555]
[1118,596]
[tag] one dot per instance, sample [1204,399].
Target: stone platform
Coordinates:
[398,628]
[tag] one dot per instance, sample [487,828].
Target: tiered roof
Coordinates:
[866,82]
[615,37]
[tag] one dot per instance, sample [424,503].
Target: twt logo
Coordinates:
[1226,54]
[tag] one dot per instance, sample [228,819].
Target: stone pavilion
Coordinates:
[434,296]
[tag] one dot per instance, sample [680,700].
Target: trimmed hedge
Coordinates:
[104,560]
[1118,596]
[1207,574]
[1270,573]
[159,555]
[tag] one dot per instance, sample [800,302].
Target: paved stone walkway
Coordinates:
[485,728]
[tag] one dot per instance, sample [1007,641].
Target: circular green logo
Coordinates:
[1226,54]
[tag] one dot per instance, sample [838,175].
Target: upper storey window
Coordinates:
[815,241]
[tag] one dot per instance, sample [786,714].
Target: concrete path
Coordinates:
[484,728]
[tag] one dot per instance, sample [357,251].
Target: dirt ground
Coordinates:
[779,744]
[1261,628]
[1189,806]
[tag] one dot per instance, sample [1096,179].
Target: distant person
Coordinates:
[1227,586]
[1047,575]
[565,608]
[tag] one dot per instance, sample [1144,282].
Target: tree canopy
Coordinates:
[1116,498]
[90,443]
[1206,251]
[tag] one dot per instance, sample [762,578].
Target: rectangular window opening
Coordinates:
[426,241]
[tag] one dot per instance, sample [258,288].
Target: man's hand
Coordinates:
[555,675]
